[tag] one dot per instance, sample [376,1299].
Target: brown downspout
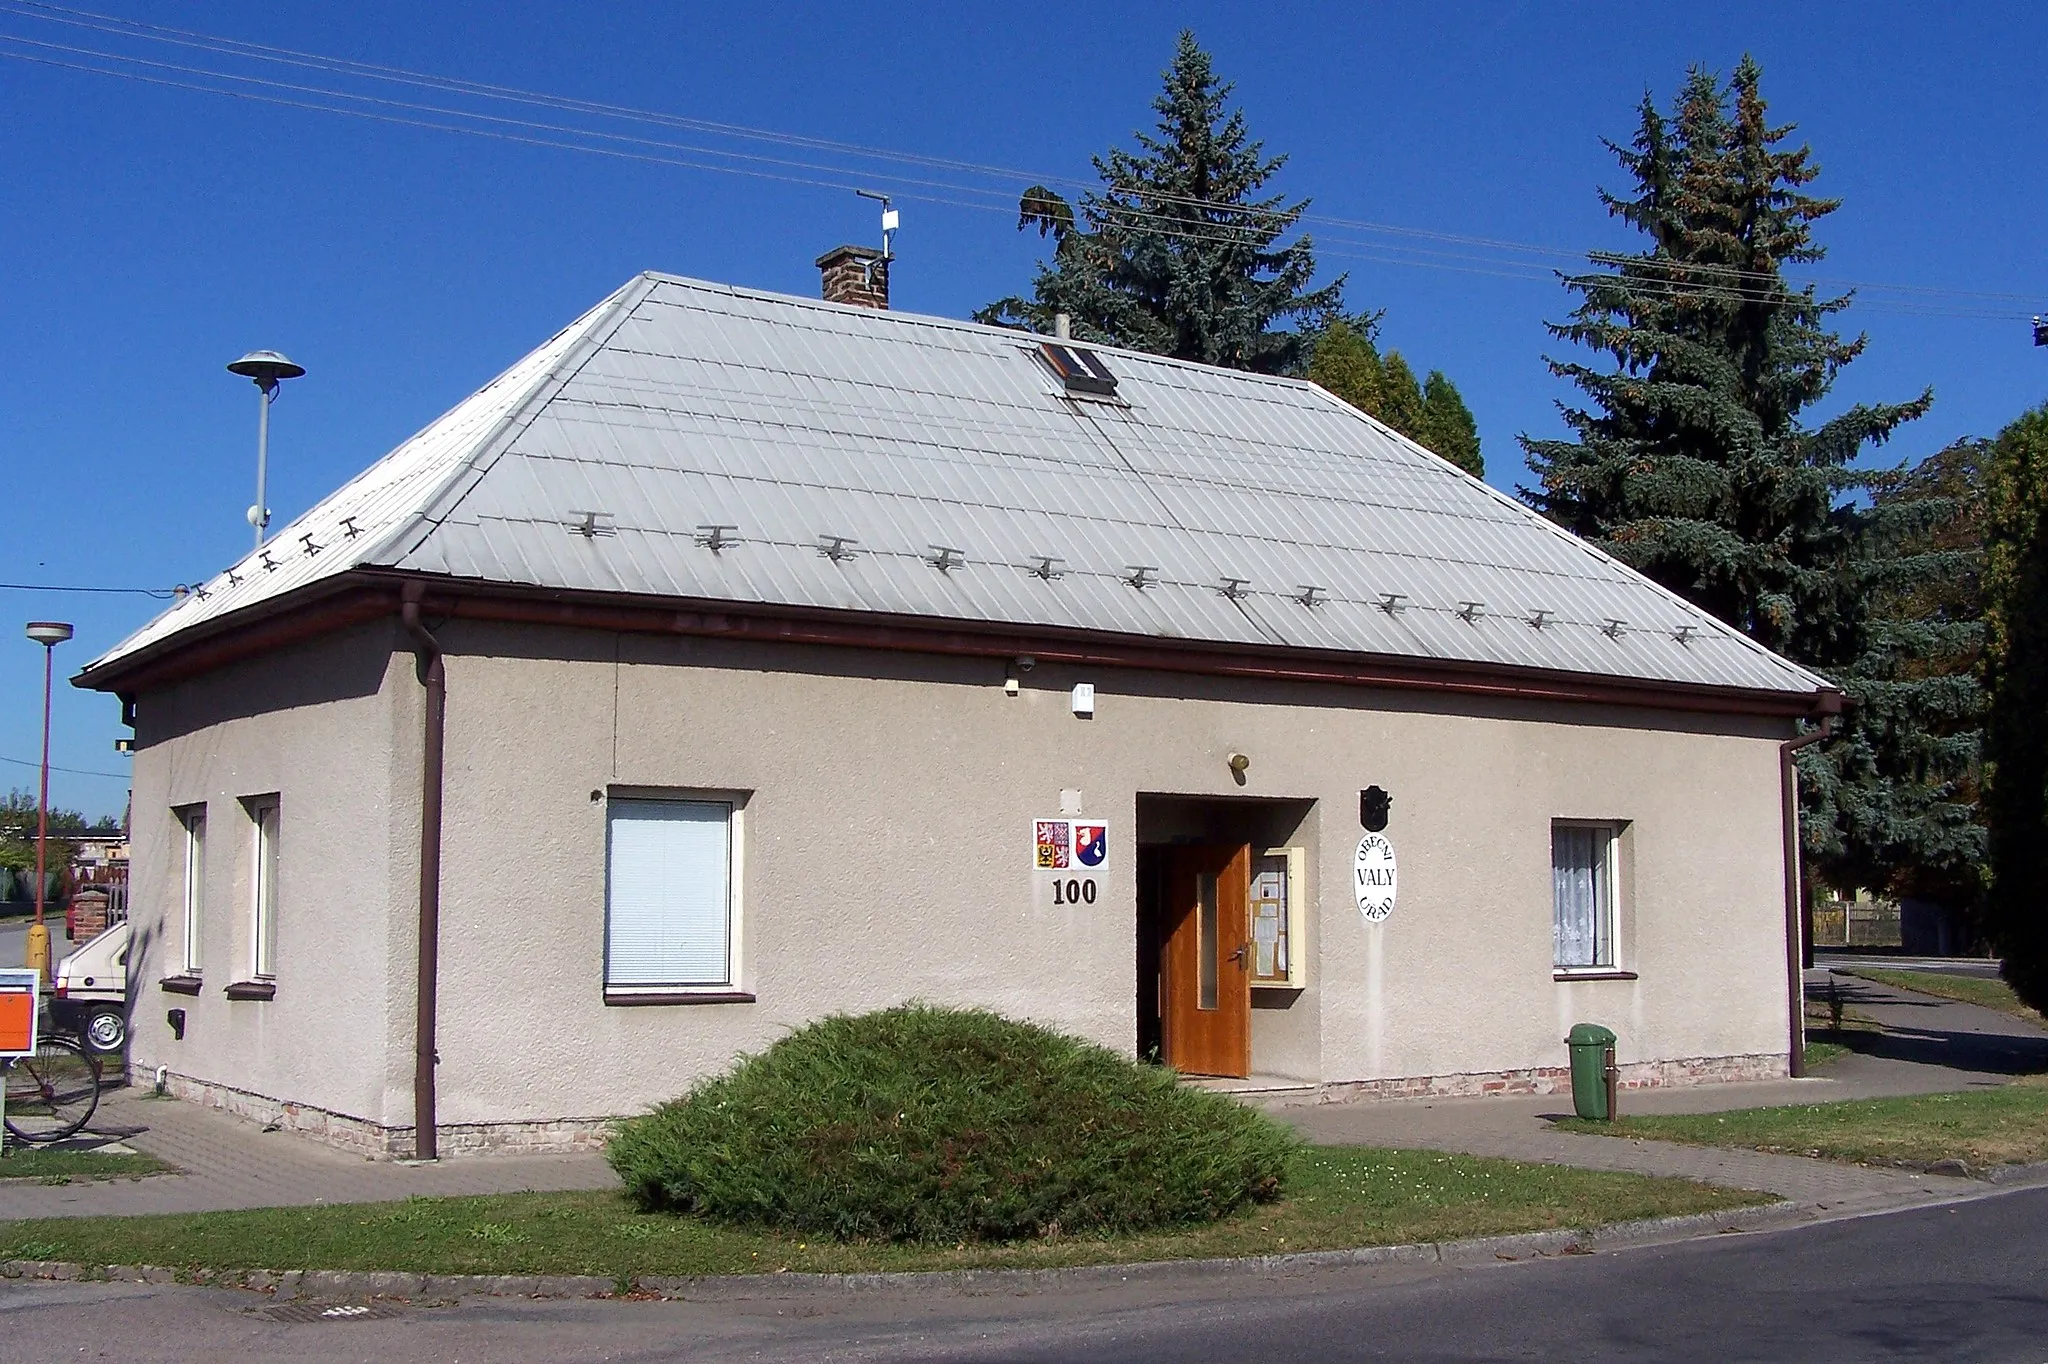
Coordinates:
[426,1134]
[1795,936]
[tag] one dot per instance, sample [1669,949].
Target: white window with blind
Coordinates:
[1586,908]
[671,898]
[192,820]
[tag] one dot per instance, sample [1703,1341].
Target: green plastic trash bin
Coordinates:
[1592,1048]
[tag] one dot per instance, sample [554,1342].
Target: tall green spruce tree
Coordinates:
[1691,460]
[2017,732]
[1894,800]
[1180,253]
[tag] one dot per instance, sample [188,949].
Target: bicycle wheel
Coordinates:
[53,1093]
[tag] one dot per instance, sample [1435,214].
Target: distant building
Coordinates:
[804,657]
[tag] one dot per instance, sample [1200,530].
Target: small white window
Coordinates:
[263,822]
[193,820]
[669,895]
[1582,874]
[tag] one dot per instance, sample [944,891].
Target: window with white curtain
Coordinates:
[193,820]
[669,895]
[1582,867]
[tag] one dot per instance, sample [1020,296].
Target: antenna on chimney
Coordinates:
[891,219]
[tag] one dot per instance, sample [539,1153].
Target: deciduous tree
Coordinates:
[2017,731]
[1345,360]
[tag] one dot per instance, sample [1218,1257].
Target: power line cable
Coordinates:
[160,593]
[119,26]
[222,45]
[1515,270]
[73,771]
[1169,225]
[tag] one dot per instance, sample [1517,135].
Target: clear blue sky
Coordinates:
[152,234]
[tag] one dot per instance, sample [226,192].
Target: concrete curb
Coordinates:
[289,1285]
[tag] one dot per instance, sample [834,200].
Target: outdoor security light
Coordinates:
[1374,805]
[49,633]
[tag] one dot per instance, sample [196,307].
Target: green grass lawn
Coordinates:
[2007,1125]
[1992,994]
[1336,1198]
[65,1167]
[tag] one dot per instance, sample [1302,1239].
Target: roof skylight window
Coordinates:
[1082,371]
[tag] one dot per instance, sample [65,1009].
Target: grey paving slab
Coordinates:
[228,1162]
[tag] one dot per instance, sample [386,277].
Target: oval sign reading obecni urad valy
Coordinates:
[1372,877]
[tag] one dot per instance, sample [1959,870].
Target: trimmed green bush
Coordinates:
[948,1125]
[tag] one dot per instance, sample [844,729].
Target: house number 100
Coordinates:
[1073,892]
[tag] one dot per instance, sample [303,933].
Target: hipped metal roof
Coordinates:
[959,481]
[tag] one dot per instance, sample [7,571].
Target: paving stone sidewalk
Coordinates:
[1518,1129]
[1926,1045]
[229,1162]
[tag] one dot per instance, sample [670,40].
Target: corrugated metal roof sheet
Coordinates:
[675,405]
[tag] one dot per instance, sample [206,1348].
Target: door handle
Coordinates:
[1239,955]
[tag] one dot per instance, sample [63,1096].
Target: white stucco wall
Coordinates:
[886,858]
[331,727]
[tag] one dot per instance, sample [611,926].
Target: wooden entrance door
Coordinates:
[1205,968]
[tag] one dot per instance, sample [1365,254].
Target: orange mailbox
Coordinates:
[18,1012]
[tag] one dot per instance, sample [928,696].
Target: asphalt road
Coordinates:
[1965,1282]
[14,941]
[1983,968]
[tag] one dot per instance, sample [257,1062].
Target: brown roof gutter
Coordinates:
[433,673]
[1795,888]
[367,593]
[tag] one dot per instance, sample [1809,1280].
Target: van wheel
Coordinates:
[106,1030]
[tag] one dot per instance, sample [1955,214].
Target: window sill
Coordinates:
[1591,973]
[252,989]
[631,997]
[179,985]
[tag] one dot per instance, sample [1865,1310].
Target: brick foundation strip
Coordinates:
[560,1135]
[319,1284]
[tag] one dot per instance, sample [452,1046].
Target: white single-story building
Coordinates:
[735,659]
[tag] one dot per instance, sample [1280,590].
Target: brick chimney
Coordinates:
[855,274]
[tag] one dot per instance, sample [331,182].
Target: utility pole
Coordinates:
[268,369]
[49,634]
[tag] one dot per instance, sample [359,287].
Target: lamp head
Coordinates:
[266,367]
[48,633]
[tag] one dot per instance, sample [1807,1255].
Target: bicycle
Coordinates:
[52,1094]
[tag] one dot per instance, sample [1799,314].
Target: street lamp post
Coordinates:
[268,369]
[49,634]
